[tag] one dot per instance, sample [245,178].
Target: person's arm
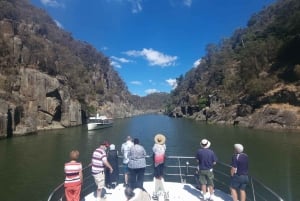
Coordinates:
[122,149]
[215,159]
[81,175]
[107,164]
[232,171]
[233,165]
[145,154]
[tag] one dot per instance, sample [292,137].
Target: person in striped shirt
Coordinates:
[99,161]
[73,177]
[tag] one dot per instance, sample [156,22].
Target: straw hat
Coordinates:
[159,139]
[205,143]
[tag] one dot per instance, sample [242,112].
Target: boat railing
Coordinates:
[186,168]
[179,169]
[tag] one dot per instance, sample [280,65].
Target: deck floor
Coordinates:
[174,191]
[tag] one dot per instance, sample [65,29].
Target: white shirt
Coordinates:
[125,150]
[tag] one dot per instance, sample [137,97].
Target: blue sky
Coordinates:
[151,42]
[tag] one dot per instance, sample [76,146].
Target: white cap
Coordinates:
[112,147]
[239,148]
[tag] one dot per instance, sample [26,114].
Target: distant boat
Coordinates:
[99,122]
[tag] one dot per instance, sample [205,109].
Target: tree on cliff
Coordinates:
[242,68]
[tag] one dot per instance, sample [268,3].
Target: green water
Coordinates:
[31,166]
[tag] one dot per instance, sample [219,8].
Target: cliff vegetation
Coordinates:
[251,78]
[50,80]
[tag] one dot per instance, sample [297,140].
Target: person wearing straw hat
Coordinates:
[239,173]
[159,149]
[207,159]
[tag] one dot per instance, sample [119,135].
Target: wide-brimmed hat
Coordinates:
[159,139]
[205,143]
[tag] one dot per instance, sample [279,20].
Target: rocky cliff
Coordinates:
[251,78]
[259,114]
[48,80]
[39,101]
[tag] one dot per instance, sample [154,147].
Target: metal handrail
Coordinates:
[174,168]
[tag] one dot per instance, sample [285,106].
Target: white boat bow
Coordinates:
[173,192]
[180,184]
[98,122]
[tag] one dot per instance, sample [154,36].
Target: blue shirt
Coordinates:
[240,162]
[206,158]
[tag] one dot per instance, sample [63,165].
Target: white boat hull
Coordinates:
[95,126]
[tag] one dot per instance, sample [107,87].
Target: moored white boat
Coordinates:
[99,122]
[180,184]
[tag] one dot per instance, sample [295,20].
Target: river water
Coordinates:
[31,166]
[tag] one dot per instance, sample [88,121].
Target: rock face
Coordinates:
[277,109]
[39,101]
[274,116]
[32,100]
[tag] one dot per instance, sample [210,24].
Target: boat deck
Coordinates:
[174,192]
[180,181]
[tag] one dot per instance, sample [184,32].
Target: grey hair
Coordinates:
[239,148]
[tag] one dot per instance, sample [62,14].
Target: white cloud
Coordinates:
[155,58]
[172,83]
[115,64]
[52,3]
[187,3]
[136,82]
[104,48]
[122,60]
[116,61]
[58,24]
[136,6]
[151,91]
[152,82]
[197,63]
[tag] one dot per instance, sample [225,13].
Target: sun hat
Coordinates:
[112,147]
[239,148]
[159,139]
[205,143]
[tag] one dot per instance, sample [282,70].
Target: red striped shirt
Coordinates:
[72,173]
[99,156]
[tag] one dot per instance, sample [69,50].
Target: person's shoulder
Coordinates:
[244,155]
